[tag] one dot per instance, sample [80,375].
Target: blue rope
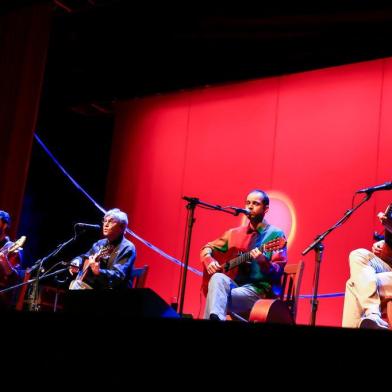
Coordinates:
[331,295]
[77,186]
[162,253]
[132,233]
[67,175]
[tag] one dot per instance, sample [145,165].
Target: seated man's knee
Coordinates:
[217,278]
[384,284]
[359,255]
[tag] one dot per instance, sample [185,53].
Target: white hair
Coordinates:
[118,215]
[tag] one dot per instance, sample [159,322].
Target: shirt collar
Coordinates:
[116,241]
[260,227]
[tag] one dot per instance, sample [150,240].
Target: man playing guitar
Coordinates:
[10,261]
[258,273]
[109,262]
[370,280]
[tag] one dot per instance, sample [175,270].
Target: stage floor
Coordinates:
[116,349]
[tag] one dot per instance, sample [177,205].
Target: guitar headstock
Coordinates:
[275,244]
[17,244]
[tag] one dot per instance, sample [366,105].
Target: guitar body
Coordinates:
[221,258]
[231,259]
[271,311]
[78,283]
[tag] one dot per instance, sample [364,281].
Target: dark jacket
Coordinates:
[116,269]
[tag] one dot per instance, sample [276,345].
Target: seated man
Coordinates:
[10,262]
[370,280]
[109,262]
[257,277]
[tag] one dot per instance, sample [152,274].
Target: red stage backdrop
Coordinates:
[310,140]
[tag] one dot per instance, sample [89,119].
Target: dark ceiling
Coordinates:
[103,51]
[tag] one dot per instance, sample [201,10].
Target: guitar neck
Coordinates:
[82,273]
[4,251]
[103,252]
[243,258]
[388,238]
[13,247]
[387,223]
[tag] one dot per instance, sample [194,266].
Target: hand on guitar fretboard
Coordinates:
[386,222]
[228,265]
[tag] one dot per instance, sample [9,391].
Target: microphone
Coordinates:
[73,263]
[240,210]
[383,187]
[191,199]
[87,226]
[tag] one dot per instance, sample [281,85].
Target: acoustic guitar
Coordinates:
[386,221]
[8,250]
[280,310]
[271,311]
[78,283]
[228,266]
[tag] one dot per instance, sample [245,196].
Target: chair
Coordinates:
[47,298]
[282,309]
[50,298]
[138,277]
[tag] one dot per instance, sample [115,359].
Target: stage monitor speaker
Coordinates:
[130,303]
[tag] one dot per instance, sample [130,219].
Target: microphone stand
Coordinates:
[318,247]
[33,295]
[38,278]
[192,203]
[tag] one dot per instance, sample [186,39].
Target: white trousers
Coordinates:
[370,281]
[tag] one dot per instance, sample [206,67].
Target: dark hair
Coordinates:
[265,196]
[5,217]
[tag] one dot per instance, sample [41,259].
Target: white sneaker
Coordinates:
[373,321]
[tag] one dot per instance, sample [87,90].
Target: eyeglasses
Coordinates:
[110,221]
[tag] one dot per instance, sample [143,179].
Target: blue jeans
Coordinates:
[224,296]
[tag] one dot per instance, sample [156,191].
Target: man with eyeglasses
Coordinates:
[109,262]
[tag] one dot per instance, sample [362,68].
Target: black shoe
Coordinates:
[369,323]
[214,317]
